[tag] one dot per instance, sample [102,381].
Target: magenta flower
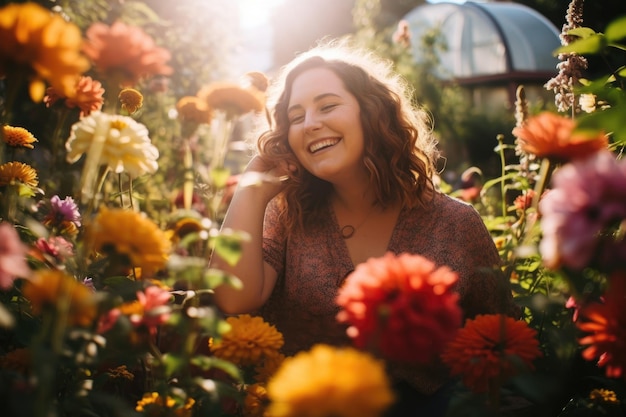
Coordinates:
[61,211]
[12,256]
[588,196]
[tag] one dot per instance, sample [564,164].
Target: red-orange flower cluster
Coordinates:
[548,135]
[605,325]
[489,348]
[125,53]
[88,96]
[403,306]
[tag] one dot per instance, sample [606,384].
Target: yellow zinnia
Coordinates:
[54,289]
[18,136]
[249,340]
[41,45]
[18,173]
[130,234]
[328,381]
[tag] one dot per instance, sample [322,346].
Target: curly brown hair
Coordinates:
[400,149]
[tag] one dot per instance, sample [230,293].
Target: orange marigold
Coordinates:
[125,53]
[256,401]
[42,46]
[50,288]
[403,305]
[605,328]
[193,109]
[232,99]
[126,233]
[88,96]
[249,340]
[549,135]
[490,347]
[18,172]
[18,136]
[153,404]
[265,370]
[131,100]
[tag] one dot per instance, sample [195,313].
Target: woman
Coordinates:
[353,164]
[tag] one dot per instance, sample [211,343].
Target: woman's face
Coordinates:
[325,131]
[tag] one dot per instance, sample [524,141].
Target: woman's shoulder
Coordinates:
[443,205]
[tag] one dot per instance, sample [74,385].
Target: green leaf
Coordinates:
[227,245]
[582,32]
[210,362]
[610,120]
[616,30]
[216,277]
[219,176]
[172,363]
[498,180]
[618,46]
[592,45]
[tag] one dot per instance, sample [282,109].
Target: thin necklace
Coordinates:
[348,230]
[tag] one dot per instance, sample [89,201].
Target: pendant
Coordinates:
[347,231]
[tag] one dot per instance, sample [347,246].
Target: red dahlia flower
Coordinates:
[403,306]
[490,348]
[605,325]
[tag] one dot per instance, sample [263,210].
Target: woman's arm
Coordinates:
[246,213]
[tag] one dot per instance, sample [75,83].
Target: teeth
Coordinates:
[322,144]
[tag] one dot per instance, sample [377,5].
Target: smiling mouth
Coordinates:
[323,144]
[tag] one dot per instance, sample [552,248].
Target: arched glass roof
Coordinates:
[497,40]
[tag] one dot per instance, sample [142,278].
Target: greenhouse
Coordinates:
[489,44]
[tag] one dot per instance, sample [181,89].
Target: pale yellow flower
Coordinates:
[329,381]
[126,145]
[587,103]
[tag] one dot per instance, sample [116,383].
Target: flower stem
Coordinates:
[500,138]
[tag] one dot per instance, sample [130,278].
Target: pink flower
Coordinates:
[403,306]
[156,310]
[125,51]
[55,246]
[588,196]
[12,256]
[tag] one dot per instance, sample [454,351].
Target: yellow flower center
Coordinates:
[118,124]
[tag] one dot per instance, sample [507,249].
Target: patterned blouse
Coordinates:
[311,266]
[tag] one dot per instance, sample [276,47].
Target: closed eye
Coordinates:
[296,119]
[328,107]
